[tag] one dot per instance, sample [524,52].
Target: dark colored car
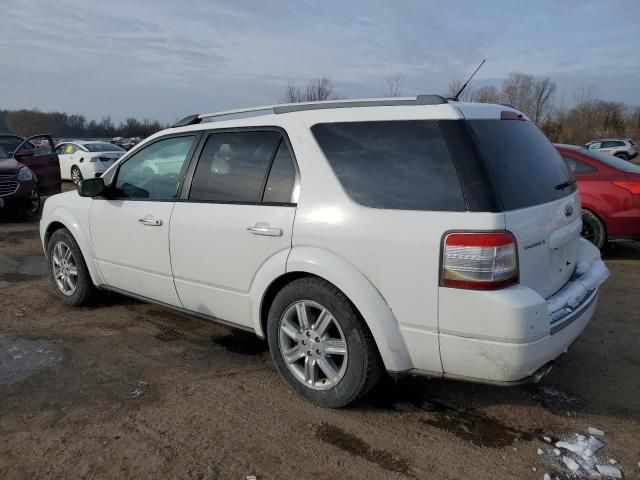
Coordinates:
[609,190]
[28,168]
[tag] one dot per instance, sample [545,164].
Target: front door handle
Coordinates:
[150,221]
[265,229]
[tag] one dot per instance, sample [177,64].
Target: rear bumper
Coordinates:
[507,336]
[503,362]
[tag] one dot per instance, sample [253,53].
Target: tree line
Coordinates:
[585,117]
[61,125]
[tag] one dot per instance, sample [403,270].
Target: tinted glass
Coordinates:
[153,172]
[612,161]
[102,147]
[281,177]
[392,164]
[10,143]
[527,168]
[233,166]
[3,154]
[576,166]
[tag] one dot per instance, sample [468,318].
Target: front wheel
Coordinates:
[320,344]
[593,229]
[32,203]
[69,273]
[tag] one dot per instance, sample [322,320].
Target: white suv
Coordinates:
[624,149]
[411,235]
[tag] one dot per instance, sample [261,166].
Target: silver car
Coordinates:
[625,149]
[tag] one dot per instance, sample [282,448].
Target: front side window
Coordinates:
[233,166]
[402,165]
[153,172]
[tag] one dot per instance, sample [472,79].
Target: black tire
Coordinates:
[32,204]
[363,363]
[622,155]
[84,288]
[593,229]
[76,175]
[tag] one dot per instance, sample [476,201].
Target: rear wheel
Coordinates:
[76,175]
[320,344]
[622,155]
[68,270]
[593,229]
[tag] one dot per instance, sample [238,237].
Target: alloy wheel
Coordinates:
[313,345]
[65,269]
[76,175]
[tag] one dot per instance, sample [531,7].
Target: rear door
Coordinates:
[539,197]
[39,154]
[236,213]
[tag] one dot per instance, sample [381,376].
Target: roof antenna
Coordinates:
[455,97]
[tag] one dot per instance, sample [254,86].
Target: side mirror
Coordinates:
[91,187]
[25,152]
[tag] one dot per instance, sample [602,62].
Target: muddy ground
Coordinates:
[128,390]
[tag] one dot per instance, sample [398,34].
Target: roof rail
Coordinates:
[299,107]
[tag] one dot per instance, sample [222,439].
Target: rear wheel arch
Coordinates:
[375,313]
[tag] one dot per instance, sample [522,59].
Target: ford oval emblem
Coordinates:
[568,210]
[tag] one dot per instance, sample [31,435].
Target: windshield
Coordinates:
[102,147]
[612,161]
[3,154]
[527,168]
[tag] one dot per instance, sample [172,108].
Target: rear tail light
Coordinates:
[479,260]
[633,187]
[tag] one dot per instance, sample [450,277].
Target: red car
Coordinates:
[609,190]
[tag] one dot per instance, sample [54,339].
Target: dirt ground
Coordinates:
[128,390]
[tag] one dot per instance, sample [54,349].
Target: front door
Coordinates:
[130,228]
[236,216]
[39,154]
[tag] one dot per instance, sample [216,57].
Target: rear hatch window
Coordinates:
[527,168]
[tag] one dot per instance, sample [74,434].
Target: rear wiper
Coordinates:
[566,184]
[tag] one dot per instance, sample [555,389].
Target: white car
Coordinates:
[80,159]
[624,149]
[414,235]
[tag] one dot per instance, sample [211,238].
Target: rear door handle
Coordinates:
[150,221]
[265,229]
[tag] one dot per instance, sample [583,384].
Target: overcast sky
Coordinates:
[163,59]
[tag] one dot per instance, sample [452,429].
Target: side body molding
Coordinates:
[377,314]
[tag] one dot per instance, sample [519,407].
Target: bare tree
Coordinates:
[317,90]
[486,94]
[543,91]
[394,85]
[530,94]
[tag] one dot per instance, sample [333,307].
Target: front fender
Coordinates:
[79,228]
[373,308]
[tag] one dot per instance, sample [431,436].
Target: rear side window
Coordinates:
[613,161]
[527,168]
[282,176]
[576,166]
[401,165]
[233,166]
